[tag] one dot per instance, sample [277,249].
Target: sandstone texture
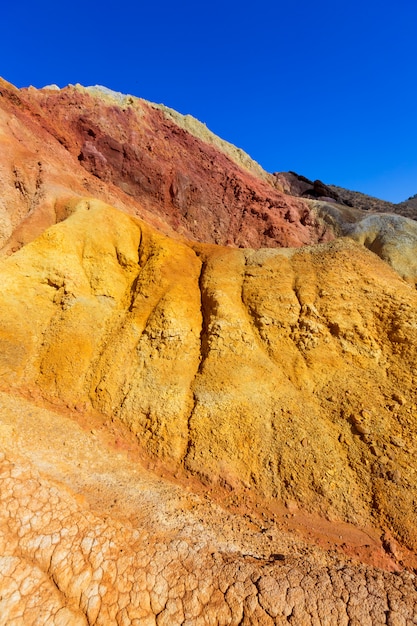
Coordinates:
[195,433]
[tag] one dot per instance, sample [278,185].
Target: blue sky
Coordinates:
[327,89]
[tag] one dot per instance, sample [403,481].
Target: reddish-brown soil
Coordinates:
[137,158]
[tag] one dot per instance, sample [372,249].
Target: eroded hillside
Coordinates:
[195,433]
[143,160]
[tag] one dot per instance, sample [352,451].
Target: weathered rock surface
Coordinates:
[192,433]
[90,537]
[256,377]
[143,159]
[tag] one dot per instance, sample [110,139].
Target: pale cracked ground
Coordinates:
[89,537]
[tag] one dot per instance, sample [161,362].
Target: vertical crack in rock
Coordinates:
[204,350]
[250,308]
[39,191]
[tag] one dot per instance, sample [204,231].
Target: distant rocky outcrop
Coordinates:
[298,185]
[408,207]
[363,201]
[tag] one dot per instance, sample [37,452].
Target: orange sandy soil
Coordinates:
[262,526]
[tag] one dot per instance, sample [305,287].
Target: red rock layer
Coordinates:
[143,162]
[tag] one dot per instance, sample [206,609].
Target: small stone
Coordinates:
[291,506]
[383,460]
[375,450]
[395,476]
[362,429]
[397,441]
[398,398]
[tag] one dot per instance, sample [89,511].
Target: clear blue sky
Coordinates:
[325,88]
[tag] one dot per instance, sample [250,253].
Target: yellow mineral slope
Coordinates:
[287,376]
